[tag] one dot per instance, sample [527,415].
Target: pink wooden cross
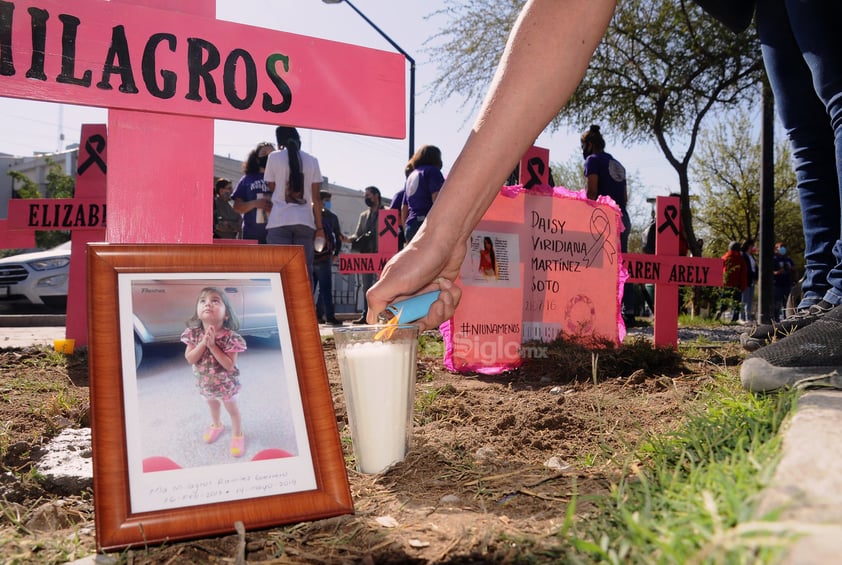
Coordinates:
[667,270]
[165,70]
[387,246]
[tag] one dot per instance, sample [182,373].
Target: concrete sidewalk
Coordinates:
[805,491]
[24,336]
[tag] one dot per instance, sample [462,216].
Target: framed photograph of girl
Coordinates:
[210,402]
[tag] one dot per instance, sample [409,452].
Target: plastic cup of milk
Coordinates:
[378,381]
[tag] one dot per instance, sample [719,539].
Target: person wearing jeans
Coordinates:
[295,179]
[365,240]
[323,263]
[802,52]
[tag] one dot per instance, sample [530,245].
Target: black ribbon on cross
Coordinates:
[670,214]
[534,175]
[389,223]
[94,145]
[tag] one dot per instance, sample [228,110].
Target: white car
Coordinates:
[40,277]
[160,308]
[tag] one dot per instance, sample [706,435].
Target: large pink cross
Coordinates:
[166,70]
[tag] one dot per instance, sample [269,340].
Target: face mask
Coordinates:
[369,202]
[327,204]
[261,161]
[782,250]
[586,150]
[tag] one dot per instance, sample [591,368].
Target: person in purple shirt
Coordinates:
[397,204]
[607,177]
[252,197]
[423,182]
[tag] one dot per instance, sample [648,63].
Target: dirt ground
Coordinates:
[495,462]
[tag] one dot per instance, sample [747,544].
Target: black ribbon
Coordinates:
[535,176]
[93,154]
[670,214]
[389,222]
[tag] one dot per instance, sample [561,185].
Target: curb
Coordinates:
[32,320]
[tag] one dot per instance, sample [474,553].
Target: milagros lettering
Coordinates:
[194,73]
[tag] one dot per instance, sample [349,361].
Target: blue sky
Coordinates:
[350,160]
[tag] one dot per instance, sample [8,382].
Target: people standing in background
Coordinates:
[734,280]
[323,262]
[252,196]
[607,177]
[423,183]
[295,180]
[364,240]
[397,204]
[753,274]
[227,222]
[782,276]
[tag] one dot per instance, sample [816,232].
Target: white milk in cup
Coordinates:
[378,381]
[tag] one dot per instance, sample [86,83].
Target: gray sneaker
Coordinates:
[811,357]
[764,334]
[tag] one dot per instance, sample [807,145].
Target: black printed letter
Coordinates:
[68,53]
[7,64]
[280,84]
[229,77]
[119,50]
[200,69]
[39,42]
[147,67]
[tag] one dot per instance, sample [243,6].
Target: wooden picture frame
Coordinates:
[177,493]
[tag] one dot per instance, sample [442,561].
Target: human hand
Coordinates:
[424,265]
[210,336]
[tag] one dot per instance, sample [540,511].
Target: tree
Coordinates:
[660,69]
[728,168]
[569,174]
[58,185]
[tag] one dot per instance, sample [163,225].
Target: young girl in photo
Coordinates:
[212,347]
[487,259]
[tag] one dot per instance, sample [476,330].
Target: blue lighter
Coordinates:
[411,309]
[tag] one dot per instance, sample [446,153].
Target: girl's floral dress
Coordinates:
[213,380]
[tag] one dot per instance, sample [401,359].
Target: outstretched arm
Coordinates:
[545,58]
